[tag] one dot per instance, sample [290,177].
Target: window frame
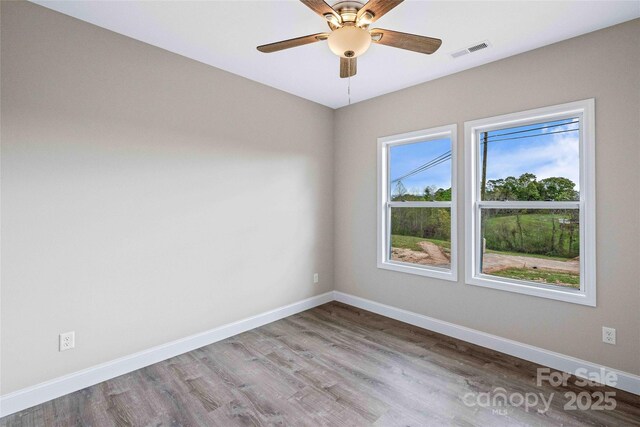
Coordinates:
[385,204]
[585,110]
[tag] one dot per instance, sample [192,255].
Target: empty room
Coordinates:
[319,213]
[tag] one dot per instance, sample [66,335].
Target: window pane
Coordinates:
[534,162]
[420,170]
[535,245]
[421,236]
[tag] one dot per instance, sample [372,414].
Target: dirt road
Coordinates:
[431,255]
[496,262]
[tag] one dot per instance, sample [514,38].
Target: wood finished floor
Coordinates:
[334,365]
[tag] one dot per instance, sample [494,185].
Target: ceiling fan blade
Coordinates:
[322,8]
[420,44]
[348,67]
[286,44]
[377,8]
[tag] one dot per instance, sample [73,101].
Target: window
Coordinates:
[417,203]
[530,202]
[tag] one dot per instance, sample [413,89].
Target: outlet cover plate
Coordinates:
[608,335]
[67,341]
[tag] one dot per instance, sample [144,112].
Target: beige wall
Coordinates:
[604,65]
[145,196]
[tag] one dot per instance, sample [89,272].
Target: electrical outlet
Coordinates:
[67,340]
[316,278]
[608,335]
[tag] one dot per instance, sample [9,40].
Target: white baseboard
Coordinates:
[43,392]
[625,381]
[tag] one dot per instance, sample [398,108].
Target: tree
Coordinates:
[443,195]
[527,188]
[557,189]
[510,188]
[430,193]
[494,189]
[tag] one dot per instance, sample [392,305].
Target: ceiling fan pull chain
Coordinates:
[349,84]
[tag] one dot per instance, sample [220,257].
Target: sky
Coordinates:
[407,157]
[544,152]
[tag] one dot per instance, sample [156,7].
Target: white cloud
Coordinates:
[557,157]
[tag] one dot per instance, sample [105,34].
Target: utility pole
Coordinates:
[483,189]
[483,185]
[401,191]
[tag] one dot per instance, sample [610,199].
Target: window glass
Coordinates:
[537,245]
[418,170]
[421,236]
[540,161]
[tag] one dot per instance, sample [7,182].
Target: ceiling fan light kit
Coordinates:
[349,41]
[350,35]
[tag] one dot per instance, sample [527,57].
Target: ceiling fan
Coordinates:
[350,35]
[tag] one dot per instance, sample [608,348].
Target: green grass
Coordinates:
[406,242]
[412,242]
[544,276]
[557,258]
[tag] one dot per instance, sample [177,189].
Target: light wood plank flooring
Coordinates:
[334,365]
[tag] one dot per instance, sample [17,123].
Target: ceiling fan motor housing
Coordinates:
[348,9]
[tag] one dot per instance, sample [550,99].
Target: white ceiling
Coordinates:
[225,34]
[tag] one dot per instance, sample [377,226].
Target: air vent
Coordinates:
[470,49]
[478,47]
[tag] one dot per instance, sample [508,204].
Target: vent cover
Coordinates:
[476,47]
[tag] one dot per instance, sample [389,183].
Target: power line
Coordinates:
[431,163]
[532,129]
[446,156]
[443,156]
[533,136]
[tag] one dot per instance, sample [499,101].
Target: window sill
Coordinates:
[574,296]
[435,272]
